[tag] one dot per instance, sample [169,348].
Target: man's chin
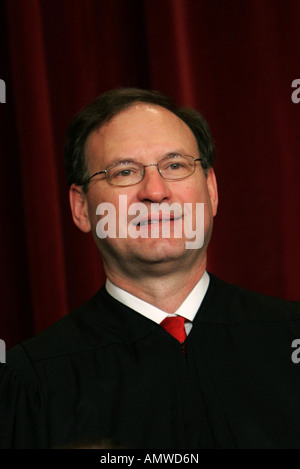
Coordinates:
[160,256]
[160,250]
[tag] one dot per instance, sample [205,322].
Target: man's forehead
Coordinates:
[138,115]
[141,111]
[138,127]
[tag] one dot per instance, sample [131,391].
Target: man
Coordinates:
[112,369]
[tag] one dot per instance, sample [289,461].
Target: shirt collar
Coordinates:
[188,308]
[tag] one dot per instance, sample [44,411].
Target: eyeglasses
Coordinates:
[127,173]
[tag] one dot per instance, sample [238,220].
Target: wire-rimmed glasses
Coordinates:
[173,167]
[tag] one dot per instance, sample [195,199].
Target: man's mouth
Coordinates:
[155,220]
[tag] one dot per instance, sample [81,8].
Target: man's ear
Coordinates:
[212,190]
[78,202]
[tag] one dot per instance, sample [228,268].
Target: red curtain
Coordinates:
[233,61]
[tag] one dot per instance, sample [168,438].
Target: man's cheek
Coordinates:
[106,224]
[194,225]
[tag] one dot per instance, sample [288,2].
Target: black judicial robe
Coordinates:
[105,371]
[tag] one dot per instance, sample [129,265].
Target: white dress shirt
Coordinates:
[187,309]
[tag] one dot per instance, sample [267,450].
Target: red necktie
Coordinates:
[174,325]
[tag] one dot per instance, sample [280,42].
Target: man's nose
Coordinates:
[153,187]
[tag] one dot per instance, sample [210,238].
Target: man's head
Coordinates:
[131,128]
[100,111]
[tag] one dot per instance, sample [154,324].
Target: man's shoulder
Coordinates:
[69,335]
[245,305]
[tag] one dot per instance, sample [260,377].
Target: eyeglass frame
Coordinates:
[143,166]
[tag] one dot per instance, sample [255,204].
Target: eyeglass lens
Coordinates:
[130,172]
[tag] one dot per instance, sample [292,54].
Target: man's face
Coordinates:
[145,133]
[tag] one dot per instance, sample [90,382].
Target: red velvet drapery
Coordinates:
[234,61]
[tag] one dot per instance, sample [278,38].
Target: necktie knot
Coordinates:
[174,325]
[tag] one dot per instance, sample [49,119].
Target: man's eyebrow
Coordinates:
[174,153]
[133,159]
[123,160]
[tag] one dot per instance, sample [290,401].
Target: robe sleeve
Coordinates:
[22,406]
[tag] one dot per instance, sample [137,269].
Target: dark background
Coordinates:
[232,60]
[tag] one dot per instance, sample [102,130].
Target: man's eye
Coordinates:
[124,173]
[175,166]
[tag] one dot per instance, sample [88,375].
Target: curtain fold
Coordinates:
[43,225]
[233,61]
